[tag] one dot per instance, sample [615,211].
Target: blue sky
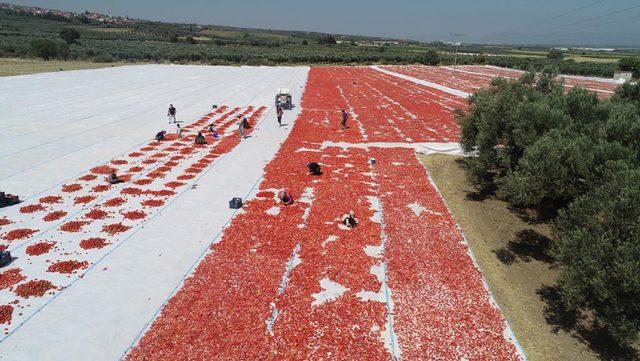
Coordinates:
[487,21]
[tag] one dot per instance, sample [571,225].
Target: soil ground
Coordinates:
[17,66]
[511,254]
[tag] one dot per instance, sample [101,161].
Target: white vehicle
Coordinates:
[283,98]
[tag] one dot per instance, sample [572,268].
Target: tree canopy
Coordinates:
[555,55]
[44,48]
[431,57]
[576,158]
[70,35]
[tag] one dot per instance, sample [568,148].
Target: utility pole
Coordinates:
[456,43]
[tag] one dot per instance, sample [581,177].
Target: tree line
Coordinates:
[29,36]
[575,159]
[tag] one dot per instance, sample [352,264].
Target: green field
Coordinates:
[17,66]
[576,56]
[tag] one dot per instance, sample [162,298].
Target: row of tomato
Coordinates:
[470,78]
[441,306]
[50,259]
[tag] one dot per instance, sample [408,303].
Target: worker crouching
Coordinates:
[285,197]
[350,220]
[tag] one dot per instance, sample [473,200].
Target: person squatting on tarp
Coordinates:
[349,219]
[161,135]
[345,116]
[279,113]
[114,179]
[285,197]
[241,129]
[214,132]
[200,139]
[8,199]
[171,113]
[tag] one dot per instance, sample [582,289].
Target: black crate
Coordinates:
[235,203]
[5,258]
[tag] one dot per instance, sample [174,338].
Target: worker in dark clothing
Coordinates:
[279,114]
[200,139]
[350,220]
[285,197]
[161,135]
[8,199]
[171,113]
[345,116]
[114,179]
[241,128]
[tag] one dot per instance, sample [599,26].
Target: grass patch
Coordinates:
[534,53]
[593,59]
[18,66]
[109,30]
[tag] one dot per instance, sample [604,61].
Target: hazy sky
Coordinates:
[487,21]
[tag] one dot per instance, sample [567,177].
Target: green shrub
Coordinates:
[555,55]
[431,57]
[69,35]
[44,48]
[630,64]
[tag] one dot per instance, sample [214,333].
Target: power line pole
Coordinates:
[457,43]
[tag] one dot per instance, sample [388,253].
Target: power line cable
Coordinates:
[592,18]
[559,15]
[616,21]
[544,20]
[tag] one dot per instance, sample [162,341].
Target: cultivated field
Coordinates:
[159,267]
[17,66]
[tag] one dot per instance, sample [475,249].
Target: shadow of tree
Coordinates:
[527,245]
[479,196]
[484,187]
[527,215]
[561,317]
[505,256]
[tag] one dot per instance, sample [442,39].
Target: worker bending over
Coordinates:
[114,179]
[349,219]
[161,135]
[285,197]
[200,139]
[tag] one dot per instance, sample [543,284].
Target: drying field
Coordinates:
[294,283]
[469,78]
[158,267]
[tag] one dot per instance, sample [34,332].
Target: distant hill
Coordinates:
[118,21]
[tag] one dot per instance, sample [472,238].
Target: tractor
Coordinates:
[283,99]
